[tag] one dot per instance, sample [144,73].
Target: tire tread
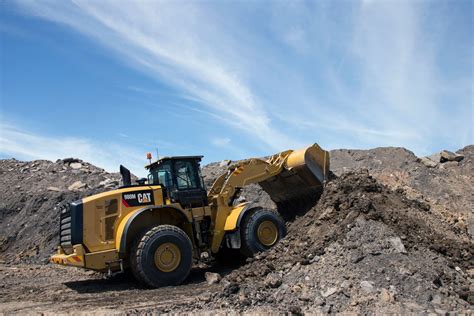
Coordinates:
[136,254]
[246,233]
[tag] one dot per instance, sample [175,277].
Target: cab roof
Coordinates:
[163,159]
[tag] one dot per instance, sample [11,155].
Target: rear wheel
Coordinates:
[162,256]
[260,231]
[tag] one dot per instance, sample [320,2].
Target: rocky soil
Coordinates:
[392,233]
[448,186]
[362,248]
[31,196]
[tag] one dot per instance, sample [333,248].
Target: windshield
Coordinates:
[177,174]
[161,175]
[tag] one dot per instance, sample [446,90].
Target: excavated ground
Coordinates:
[362,248]
[31,196]
[397,238]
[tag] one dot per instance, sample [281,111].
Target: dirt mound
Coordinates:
[363,247]
[447,186]
[32,195]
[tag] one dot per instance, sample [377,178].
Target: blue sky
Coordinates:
[108,81]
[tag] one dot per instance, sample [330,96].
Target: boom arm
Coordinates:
[244,173]
[284,176]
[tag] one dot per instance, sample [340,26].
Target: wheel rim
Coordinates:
[267,233]
[167,257]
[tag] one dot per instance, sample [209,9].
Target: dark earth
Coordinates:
[391,233]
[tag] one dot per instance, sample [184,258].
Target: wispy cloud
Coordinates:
[227,146]
[220,141]
[403,80]
[25,144]
[388,86]
[368,75]
[168,41]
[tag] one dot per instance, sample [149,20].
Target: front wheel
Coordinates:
[162,256]
[260,231]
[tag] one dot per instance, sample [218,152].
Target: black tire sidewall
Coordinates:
[251,238]
[157,277]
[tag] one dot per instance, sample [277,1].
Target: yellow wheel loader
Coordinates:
[163,224]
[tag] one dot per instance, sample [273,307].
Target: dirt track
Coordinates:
[56,289]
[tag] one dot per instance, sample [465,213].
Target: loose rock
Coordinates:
[75,165]
[212,278]
[450,156]
[367,286]
[273,280]
[76,186]
[330,291]
[397,244]
[365,210]
[428,162]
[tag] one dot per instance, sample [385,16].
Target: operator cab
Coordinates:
[180,178]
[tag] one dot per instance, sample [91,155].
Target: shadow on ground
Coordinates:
[126,282]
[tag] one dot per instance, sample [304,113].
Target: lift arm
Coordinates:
[244,173]
[284,176]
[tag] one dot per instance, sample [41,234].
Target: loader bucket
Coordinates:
[302,178]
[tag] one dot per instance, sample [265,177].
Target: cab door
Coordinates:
[189,190]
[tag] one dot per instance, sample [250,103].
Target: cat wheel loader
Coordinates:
[158,227]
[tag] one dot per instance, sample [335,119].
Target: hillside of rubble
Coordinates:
[363,247]
[444,180]
[392,232]
[31,195]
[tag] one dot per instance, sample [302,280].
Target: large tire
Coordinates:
[162,256]
[260,231]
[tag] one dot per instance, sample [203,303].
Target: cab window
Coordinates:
[162,175]
[185,175]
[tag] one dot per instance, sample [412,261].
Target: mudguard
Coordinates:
[124,226]
[235,217]
[233,222]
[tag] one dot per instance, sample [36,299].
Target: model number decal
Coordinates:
[138,198]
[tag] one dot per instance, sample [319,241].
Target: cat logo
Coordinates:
[144,197]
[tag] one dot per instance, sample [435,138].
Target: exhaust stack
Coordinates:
[126,178]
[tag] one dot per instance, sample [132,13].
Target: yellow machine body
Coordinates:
[97,231]
[105,217]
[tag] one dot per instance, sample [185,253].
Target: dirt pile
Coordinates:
[363,247]
[32,195]
[448,186]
